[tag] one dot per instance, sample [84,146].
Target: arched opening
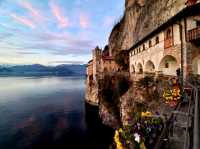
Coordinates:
[105,69]
[196,65]
[149,67]
[139,68]
[157,39]
[133,69]
[168,33]
[168,65]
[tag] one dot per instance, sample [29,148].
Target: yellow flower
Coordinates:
[142,146]
[117,140]
[120,130]
[146,114]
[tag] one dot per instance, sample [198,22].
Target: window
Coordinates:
[166,65]
[150,44]
[198,23]
[143,47]
[168,33]
[139,49]
[157,39]
[105,70]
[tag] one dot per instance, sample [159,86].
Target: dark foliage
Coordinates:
[146,81]
[122,59]
[112,88]
[123,84]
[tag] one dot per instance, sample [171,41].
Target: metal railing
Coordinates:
[196,127]
[192,137]
[193,34]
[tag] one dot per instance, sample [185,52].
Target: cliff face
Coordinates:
[140,18]
[91,94]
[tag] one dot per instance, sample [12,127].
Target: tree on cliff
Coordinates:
[122,59]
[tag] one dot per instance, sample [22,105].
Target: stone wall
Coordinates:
[157,52]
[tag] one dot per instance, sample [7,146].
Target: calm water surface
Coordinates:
[48,112]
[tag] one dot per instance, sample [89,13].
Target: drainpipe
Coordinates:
[181,38]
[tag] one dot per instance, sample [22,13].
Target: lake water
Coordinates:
[49,112]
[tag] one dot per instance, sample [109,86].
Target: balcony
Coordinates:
[194,35]
[168,42]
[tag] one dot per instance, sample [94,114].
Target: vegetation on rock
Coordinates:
[112,88]
[122,59]
[150,87]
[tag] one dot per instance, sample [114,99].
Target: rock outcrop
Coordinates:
[140,18]
[91,94]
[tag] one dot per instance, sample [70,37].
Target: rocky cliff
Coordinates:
[140,18]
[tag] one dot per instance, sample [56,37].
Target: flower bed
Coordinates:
[172,96]
[142,135]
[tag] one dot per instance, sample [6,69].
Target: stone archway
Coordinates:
[149,67]
[168,65]
[196,65]
[139,68]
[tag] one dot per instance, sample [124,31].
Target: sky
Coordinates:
[53,32]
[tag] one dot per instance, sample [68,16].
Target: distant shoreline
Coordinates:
[38,70]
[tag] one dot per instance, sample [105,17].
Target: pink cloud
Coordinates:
[36,14]
[84,20]
[23,20]
[57,12]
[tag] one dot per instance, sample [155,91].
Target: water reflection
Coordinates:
[48,113]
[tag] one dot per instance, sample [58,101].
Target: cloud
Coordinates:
[84,20]
[62,39]
[26,53]
[63,21]
[22,20]
[5,36]
[36,14]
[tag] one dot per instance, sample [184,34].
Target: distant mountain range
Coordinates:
[41,70]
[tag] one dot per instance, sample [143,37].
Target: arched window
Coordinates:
[157,39]
[139,49]
[143,47]
[168,34]
[198,23]
[133,69]
[105,70]
[166,65]
[150,44]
